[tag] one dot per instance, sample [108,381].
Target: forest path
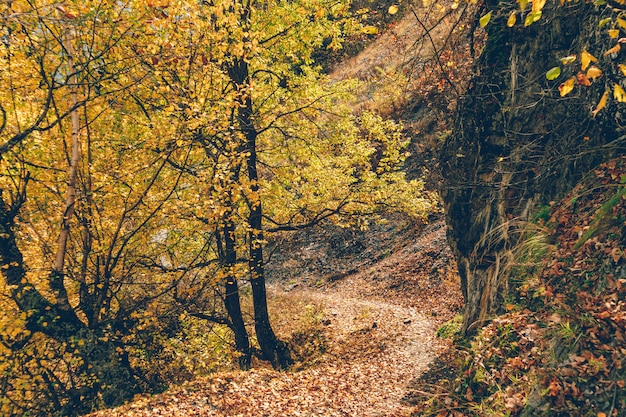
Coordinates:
[365,338]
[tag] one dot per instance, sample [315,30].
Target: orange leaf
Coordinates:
[582,79]
[567,86]
[601,103]
[613,50]
[554,387]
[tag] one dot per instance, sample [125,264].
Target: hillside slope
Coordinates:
[359,339]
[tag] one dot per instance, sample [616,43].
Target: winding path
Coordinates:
[374,349]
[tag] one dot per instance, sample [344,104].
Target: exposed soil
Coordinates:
[367,334]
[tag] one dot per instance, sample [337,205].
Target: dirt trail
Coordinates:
[377,338]
[374,349]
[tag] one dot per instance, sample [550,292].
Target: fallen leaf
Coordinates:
[613,50]
[601,103]
[553,73]
[586,59]
[594,72]
[582,79]
[567,86]
[618,93]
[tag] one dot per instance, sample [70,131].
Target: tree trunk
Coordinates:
[273,349]
[231,298]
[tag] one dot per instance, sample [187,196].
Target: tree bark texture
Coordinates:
[231,298]
[273,349]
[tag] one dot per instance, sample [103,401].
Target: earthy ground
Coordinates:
[367,336]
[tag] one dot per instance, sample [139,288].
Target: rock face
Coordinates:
[517,144]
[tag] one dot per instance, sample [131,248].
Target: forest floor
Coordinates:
[359,339]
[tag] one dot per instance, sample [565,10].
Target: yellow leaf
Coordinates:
[613,50]
[618,93]
[512,20]
[537,5]
[601,414]
[522,4]
[568,59]
[532,17]
[586,59]
[601,103]
[613,33]
[393,9]
[622,68]
[567,86]
[484,20]
[370,30]
[621,23]
[593,72]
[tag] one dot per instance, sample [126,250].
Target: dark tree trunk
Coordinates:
[517,144]
[231,298]
[273,349]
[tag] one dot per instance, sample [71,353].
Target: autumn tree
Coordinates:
[71,251]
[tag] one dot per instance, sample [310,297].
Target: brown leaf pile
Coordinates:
[378,336]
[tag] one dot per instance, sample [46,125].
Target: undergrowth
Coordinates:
[560,348]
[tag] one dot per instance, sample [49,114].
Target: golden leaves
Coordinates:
[586,58]
[537,5]
[601,104]
[512,19]
[567,86]
[393,9]
[370,30]
[484,20]
[532,17]
[594,72]
[618,93]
